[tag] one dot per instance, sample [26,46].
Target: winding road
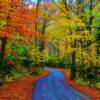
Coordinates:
[53,87]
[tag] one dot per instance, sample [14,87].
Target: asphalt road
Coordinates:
[53,87]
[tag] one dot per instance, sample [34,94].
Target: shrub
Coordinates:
[5,69]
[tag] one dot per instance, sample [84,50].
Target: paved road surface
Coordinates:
[53,87]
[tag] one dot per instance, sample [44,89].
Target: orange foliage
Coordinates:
[19,18]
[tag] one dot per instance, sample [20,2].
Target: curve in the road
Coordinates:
[53,87]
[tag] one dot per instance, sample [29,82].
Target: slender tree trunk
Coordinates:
[73,66]
[3,47]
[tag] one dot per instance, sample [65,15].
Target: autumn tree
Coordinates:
[69,15]
[18,18]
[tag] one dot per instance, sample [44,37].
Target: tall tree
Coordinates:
[18,18]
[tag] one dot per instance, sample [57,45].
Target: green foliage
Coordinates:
[20,56]
[82,81]
[63,63]
[18,73]
[35,57]
[81,70]
[98,85]
[52,61]
[5,69]
[2,23]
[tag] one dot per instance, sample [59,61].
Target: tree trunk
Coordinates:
[3,47]
[73,67]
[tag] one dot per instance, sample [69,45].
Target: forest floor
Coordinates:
[20,89]
[92,92]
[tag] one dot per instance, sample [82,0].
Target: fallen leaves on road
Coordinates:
[20,89]
[92,92]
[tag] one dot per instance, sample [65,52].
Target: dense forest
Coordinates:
[36,34]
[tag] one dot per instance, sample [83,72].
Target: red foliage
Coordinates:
[20,89]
